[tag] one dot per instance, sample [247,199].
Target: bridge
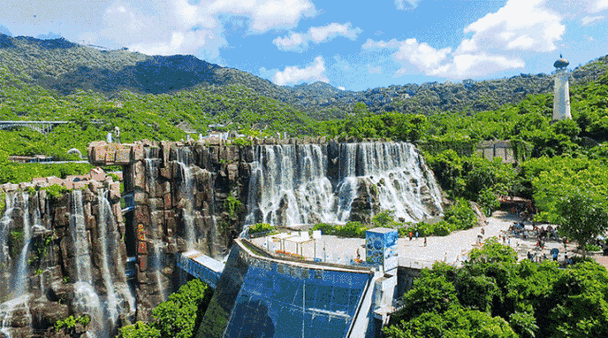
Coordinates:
[43,127]
[201,266]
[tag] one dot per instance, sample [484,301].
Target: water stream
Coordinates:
[5,223]
[187,191]
[17,207]
[152,167]
[86,299]
[119,299]
[21,271]
[292,185]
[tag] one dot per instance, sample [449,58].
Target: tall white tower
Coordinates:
[561,97]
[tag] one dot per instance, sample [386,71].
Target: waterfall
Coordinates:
[118,295]
[152,166]
[18,287]
[5,223]
[21,278]
[292,185]
[157,265]
[187,192]
[86,300]
[289,186]
[7,310]
[104,310]
[399,174]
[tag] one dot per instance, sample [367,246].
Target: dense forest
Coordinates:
[558,162]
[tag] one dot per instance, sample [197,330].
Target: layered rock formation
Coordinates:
[61,254]
[71,248]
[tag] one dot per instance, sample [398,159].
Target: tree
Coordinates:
[139,330]
[488,201]
[582,216]
[429,293]
[177,317]
[455,322]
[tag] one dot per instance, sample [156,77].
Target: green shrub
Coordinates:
[56,191]
[348,230]
[139,330]
[260,227]
[2,201]
[461,215]
[176,317]
[70,322]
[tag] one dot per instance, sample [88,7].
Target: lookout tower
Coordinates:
[561,97]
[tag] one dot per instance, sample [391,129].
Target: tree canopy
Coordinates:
[494,296]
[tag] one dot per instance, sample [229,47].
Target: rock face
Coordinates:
[61,255]
[81,247]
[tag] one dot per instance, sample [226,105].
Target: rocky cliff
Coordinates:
[79,247]
[61,254]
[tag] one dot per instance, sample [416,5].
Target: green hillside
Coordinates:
[38,82]
[66,68]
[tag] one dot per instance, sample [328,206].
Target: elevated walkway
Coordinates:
[39,126]
[201,266]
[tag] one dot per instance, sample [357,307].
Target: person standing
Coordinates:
[425,241]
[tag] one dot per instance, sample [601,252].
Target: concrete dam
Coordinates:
[79,245]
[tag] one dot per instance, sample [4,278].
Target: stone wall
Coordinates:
[177,196]
[200,198]
[37,237]
[195,195]
[501,149]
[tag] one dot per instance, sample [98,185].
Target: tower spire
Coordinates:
[561,93]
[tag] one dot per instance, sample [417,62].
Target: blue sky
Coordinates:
[353,45]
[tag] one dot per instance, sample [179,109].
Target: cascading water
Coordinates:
[187,191]
[104,310]
[19,287]
[392,168]
[152,166]
[86,300]
[118,295]
[290,184]
[21,272]
[8,309]
[5,223]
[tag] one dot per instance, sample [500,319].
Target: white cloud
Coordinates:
[421,55]
[473,65]
[320,34]
[406,4]
[496,40]
[299,41]
[525,25]
[374,70]
[341,88]
[596,6]
[292,42]
[293,74]
[264,14]
[591,19]
[182,27]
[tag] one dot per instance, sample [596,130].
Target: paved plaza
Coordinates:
[452,249]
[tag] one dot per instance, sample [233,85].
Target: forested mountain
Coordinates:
[66,67]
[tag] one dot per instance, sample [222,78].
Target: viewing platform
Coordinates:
[201,266]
